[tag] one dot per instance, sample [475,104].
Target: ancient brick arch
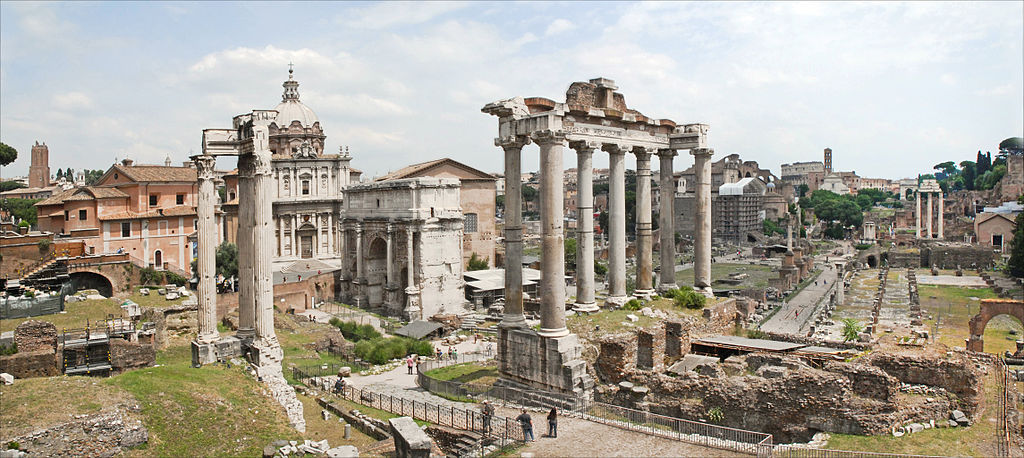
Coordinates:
[991,308]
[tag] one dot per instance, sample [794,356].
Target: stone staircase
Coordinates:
[471,321]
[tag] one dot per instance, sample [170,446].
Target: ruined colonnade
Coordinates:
[930,187]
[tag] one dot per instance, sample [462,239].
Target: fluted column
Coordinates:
[585,227]
[359,252]
[244,238]
[389,269]
[929,219]
[207,238]
[263,241]
[917,214]
[617,225]
[667,224]
[513,147]
[702,222]
[413,311]
[644,245]
[941,209]
[552,221]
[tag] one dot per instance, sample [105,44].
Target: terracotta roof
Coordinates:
[419,170]
[83,193]
[149,173]
[181,210]
[56,198]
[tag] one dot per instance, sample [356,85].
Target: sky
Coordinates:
[891,88]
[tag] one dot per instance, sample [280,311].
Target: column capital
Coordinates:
[614,148]
[702,152]
[643,152]
[667,152]
[204,166]
[261,163]
[584,146]
[547,137]
[512,141]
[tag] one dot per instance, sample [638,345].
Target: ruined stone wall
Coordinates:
[125,355]
[868,381]
[650,351]
[169,322]
[28,364]
[721,315]
[949,257]
[35,335]
[955,374]
[616,357]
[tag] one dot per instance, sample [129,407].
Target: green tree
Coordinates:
[948,167]
[9,185]
[602,221]
[499,203]
[7,154]
[227,259]
[530,193]
[1016,263]
[968,172]
[851,329]
[600,269]
[570,255]
[1012,145]
[60,174]
[475,263]
[802,190]
[92,176]
[23,209]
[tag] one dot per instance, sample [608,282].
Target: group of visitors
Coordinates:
[453,354]
[524,419]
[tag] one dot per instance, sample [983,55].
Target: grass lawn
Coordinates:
[466,372]
[75,315]
[976,440]
[615,321]
[28,405]
[331,429]
[757,275]
[954,306]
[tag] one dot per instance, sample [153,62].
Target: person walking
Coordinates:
[527,423]
[487,412]
[409,362]
[553,423]
[440,354]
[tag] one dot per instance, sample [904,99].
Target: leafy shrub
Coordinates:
[173,278]
[354,331]
[13,445]
[863,246]
[151,276]
[687,297]
[633,304]
[715,414]
[44,246]
[381,350]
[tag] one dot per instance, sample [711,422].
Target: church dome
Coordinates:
[291,109]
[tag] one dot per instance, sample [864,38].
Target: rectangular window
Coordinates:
[152,200]
[82,215]
[305,187]
[161,227]
[126,229]
[470,225]
[997,240]
[180,200]
[67,215]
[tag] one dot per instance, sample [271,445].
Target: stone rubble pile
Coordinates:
[283,448]
[106,434]
[269,371]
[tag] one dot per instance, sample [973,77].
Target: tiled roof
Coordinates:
[149,173]
[57,198]
[83,193]
[181,210]
[415,170]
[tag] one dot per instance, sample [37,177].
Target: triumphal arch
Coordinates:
[593,118]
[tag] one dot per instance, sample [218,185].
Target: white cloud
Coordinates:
[72,101]
[558,26]
[391,14]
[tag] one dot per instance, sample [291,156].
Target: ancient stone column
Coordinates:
[644,244]
[263,242]
[412,292]
[941,209]
[552,220]
[390,268]
[246,277]
[917,215]
[617,225]
[207,262]
[666,218]
[585,227]
[359,252]
[702,220]
[929,219]
[513,146]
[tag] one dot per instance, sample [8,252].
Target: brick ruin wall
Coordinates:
[949,257]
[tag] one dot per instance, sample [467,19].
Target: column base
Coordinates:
[203,353]
[210,338]
[616,301]
[663,287]
[586,307]
[513,320]
[706,291]
[644,294]
[553,333]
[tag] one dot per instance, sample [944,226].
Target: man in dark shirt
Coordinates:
[487,412]
[527,423]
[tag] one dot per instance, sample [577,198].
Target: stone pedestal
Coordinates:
[412,304]
[548,363]
[203,353]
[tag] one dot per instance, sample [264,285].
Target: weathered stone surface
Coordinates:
[108,434]
[410,440]
[28,364]
[6,379]
[333,341]
[344,451]
[955,373]
[35,335]
[126,355]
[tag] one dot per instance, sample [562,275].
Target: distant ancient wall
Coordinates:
[949,257]
[27,364]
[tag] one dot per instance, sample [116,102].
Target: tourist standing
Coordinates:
[487,412]
[409,362]
[527,423]
[553,423]
[439,353]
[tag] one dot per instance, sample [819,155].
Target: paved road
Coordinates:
[796,315]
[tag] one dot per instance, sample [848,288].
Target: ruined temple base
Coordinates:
[528,361]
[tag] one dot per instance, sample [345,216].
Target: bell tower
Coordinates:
[39,171]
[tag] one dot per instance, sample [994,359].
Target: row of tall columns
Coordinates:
[616,225]
[207,238]
[666,186]
[585,301]
[513,315]
[702,221]
[552,217]
[939,225]
[644,246]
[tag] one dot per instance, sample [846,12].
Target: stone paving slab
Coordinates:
[951,280]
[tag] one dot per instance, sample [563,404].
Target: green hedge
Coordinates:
[354,331]
[381,350]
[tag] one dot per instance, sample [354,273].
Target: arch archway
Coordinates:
[872,261]
[991,308]
[376,271]
[158,259]
[92,280]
